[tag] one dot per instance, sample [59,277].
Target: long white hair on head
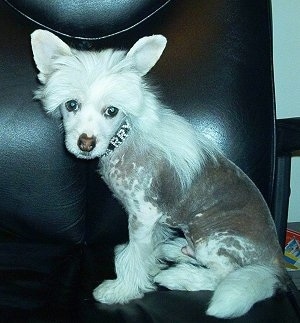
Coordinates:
[65,72]
[73,75]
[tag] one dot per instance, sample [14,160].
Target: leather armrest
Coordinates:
[288,135]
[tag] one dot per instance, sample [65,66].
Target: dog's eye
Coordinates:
[111,112]
[72,105]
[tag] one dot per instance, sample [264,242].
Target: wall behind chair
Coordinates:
[286,53]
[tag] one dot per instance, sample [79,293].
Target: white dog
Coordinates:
[167,177]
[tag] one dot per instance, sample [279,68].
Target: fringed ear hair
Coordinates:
[45,47]
[146,52]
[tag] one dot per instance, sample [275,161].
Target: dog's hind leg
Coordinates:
[175,251]
[186,276]
[135,264]
[199,269]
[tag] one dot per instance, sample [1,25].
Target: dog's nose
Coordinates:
[86,143]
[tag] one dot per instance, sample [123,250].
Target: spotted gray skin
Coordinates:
[222,203]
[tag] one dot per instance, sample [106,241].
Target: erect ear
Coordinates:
[146,52]
[45,47]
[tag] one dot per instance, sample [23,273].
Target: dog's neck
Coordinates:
[118,138]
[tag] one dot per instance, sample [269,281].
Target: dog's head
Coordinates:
[93,92]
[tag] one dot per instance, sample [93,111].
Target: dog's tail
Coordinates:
[242,288]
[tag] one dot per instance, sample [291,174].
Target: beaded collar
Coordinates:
[118,138]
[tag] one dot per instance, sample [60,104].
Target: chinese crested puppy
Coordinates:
[169,178]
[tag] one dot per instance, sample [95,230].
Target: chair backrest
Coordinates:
[216,71]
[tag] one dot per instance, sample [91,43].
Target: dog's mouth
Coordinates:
[85,155]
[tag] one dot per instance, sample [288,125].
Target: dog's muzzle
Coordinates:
[86,143]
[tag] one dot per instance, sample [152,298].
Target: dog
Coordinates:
[187,204]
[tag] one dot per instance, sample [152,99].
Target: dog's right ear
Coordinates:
[45,47]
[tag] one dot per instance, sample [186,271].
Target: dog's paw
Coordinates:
[114,291]
[166,279]
[172,279]
[186,277]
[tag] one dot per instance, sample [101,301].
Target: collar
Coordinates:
[118,138]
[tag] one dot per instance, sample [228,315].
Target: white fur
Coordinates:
[132,267]
[135,262]
[98,80]
[115,82]
[237,293]
[186,277]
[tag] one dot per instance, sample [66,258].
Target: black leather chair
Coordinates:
[58,221]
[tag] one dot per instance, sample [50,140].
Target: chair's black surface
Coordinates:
[58,221]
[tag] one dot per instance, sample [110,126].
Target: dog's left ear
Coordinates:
[45,47]
[146,52]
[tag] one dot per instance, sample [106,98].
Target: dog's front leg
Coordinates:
[134,264]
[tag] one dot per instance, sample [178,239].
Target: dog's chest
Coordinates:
[131,183]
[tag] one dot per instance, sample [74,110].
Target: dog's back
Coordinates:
[232,237]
